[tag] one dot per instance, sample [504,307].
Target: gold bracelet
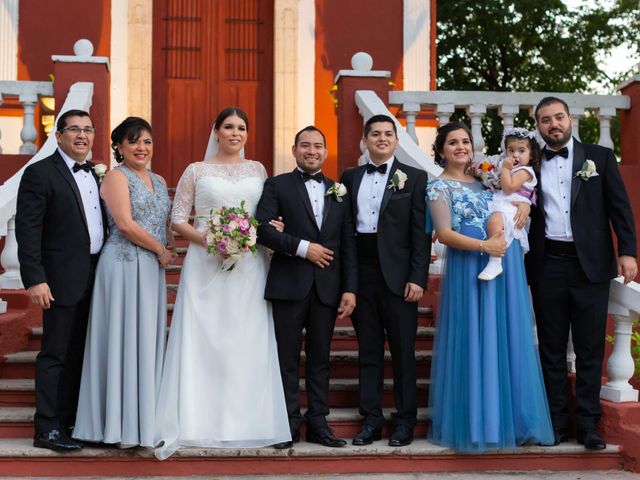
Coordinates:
[164,249]
[481,252]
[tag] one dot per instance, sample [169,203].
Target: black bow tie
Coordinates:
[371,168]
[84,166]
[549,154]
[318,177]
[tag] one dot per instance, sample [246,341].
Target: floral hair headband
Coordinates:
[519,132]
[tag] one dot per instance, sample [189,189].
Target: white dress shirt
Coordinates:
[369,199]
[556,188]
[90,195]
[316,193]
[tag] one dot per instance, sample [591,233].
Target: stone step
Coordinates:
[19,458]
[17,422]
[344,338]
[344,364]
[514,475]
[343,392]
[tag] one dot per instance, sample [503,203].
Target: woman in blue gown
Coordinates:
[487,391]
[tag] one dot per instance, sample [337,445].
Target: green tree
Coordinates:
[517,45]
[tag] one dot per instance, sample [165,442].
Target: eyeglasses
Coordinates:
[75,130]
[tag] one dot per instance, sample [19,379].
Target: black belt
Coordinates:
[557,249]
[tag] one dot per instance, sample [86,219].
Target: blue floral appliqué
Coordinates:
[466,204]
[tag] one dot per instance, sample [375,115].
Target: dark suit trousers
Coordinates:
[290,318]
[378,311]
[59,363]
[565,298]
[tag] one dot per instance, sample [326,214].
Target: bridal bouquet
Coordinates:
[232,232]
[488,172]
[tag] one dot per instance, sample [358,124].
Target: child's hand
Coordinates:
[509,163]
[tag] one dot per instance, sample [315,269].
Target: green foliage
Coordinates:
[517,45]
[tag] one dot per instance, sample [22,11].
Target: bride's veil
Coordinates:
[212,147]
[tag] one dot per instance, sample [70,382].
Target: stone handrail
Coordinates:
[624,306]
[27,93]
[80,96]
[508,105]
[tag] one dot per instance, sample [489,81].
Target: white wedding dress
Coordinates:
[221,384]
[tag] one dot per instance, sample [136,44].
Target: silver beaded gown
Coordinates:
[126,334]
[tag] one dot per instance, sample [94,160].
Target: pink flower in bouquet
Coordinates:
[232,232]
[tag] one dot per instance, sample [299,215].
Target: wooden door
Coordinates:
[208,55]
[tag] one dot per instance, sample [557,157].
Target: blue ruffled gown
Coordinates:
[487,391]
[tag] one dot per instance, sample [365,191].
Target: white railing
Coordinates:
[624,306]
[80,97]
[508,104]
[27,93]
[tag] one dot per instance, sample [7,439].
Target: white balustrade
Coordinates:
[411,110]
[606,114]
[624,306]
[27,93]
[10,279]
[508,105]
[476,112]
[439,250]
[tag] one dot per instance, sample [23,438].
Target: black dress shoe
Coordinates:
[367,435]
[295,438]
[591,440]
[324,436]
[559,436]
[402,435]
[55,440]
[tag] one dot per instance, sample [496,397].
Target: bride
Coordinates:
[221,383]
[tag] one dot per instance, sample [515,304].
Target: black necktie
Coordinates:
[84,166]
[371,168]
[549,154]
[318,177]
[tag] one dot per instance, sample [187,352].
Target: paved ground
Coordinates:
[596,475]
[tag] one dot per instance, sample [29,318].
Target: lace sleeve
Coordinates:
[439,203]
[185,193]
[262,172]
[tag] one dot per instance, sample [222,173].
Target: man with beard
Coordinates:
[572,261]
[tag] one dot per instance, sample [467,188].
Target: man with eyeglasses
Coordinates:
[60,228]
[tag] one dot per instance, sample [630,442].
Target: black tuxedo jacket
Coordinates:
[403,245]
[291,277]
[51,229]
[596,204]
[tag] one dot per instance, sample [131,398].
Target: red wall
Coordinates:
[344,27]
[51,27]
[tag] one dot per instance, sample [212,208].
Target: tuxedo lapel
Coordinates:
[388,191]
[62,168]
[578,160]
[357,180]
[328,201]
[304,195]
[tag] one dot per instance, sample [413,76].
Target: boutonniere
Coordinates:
[338,190]
[100,169]
[397,181]
[587,171]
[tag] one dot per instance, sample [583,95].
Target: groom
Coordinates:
[313,275]
[388,202]
[572,261]
[60,228]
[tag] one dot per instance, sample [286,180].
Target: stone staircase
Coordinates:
[19,458]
